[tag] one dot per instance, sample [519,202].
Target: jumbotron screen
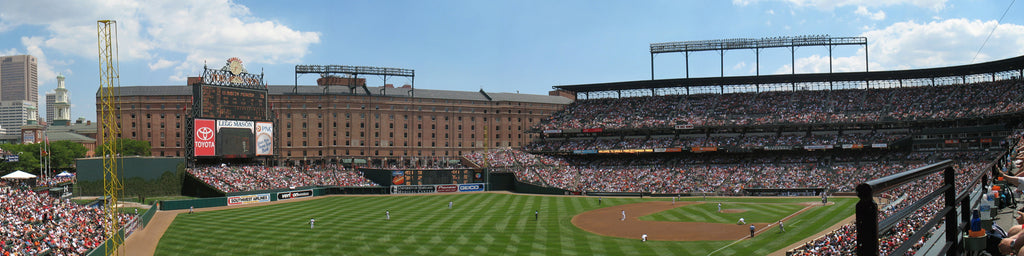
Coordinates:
[233,138]
[223,102]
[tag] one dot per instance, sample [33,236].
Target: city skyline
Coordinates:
[504,46]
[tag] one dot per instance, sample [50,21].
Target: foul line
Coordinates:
[762,230]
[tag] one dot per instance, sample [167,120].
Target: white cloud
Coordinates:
[935,5]
[9,52]
[44,69]
[863,11]
[912,45]
[192,29]
[161,64]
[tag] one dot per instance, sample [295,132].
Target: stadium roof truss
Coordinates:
[354,71]
[1012,68]
[791,42]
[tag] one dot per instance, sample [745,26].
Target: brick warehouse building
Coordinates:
[311,125]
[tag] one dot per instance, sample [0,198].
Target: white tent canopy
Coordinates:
[18,175]
[65,174]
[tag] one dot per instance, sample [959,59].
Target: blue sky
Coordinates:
[498,46]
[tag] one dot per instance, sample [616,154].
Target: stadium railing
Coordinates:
[869,228]
[142,221]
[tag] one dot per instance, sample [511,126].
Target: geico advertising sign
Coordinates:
[205,141]
[471,187]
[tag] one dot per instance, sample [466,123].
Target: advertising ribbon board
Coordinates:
[248,199]
[294,194]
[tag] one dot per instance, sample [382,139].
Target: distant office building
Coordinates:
[51,98]
[19,92]
[16,113]
[19,78]
[58,110]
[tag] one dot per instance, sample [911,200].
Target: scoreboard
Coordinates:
[236,103]
[428,177]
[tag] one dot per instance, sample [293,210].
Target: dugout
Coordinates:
[140,176]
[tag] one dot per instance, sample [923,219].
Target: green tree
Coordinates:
[128,147]
[28,157]
[64,153]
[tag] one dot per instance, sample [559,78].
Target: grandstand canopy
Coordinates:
[791,42]
[1013,65]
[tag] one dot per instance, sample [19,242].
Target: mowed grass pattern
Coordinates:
[708,212]
[479,224]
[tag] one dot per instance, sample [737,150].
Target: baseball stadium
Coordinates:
[906,162]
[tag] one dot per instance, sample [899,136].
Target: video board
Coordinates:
[233,138]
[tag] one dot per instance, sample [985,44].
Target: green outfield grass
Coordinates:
[752,212]
[479,224]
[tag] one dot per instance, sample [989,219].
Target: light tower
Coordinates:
[106,33]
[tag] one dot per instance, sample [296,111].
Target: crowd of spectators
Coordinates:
[793,107]
[749,142]
[36,224]
[246,178]
[509,157]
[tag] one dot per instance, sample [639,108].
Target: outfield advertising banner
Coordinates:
[205,141]
[264,138]
[471,187]
[447,188]
[294,194]
[248,199]
[397,178]
[414,189]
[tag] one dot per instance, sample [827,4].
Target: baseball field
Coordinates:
[502,224]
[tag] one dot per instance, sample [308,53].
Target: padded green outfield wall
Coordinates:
[141,176]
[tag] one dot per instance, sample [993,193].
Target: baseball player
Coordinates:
[536,215]
[719,207]
[311,221]
[751,230]
[191,209]
[742,221]
[623,215]
[387,214]
[643,238]
[449,204]
[783,228]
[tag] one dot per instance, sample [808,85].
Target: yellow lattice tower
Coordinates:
[106,32]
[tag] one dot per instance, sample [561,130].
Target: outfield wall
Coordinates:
[140,176]
[250,197]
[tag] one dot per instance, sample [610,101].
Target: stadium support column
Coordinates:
[721,62]
[757,61]
[687,53]
[652,66]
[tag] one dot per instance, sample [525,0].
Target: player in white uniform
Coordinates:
[623,215]
[643,238]
[387,214]
[311,221]
[449,204]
